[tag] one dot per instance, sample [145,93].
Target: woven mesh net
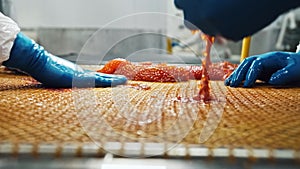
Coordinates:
[263,117]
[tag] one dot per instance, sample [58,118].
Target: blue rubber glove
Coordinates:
[52,71]
[276,68]
[232,19]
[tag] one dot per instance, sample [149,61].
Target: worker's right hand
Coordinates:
[276,68]
[53,71]
[232,19]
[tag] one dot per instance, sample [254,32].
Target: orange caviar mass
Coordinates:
[113,65]
[165,73]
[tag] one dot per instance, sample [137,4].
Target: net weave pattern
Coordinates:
[262,117]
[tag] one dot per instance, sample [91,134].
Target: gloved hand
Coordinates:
[53,71]
[276,68]
[232,19]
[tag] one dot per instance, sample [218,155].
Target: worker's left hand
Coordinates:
[53,71]
[276,68]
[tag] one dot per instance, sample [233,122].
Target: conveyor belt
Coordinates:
[263,121]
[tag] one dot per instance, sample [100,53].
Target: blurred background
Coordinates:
[63,27]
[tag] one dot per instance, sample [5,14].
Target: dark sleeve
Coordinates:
[233,19]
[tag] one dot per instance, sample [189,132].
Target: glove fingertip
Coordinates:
[234,84]
[284,76]
[278,78]
[237,79]
[248,84]
[227,81]
[118,80]
[105,80]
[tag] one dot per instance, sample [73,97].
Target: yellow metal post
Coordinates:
[245,48]
[169,45]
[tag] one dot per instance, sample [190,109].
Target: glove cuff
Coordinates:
[25,54]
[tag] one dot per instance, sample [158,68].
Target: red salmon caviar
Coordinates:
[113,65]
[166,73]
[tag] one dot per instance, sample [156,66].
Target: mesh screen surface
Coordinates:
[263,117]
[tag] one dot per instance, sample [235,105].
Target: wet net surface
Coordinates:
[237,118]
